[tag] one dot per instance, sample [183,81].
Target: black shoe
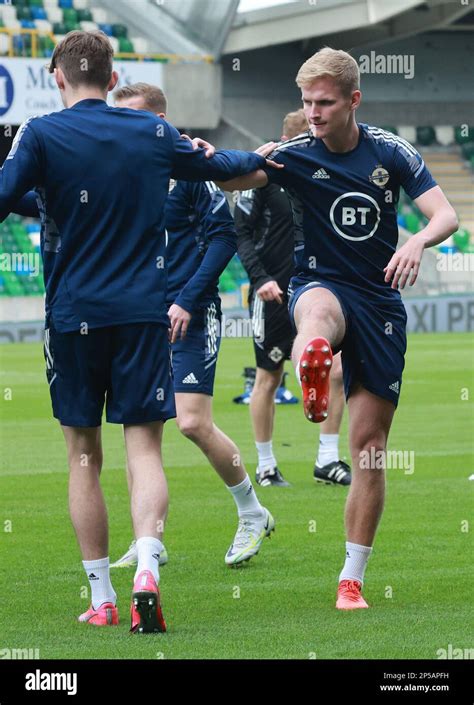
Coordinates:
[336,473]
[271,476]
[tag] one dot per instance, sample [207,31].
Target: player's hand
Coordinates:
[270,291]
[179,319]
[407,259]
[199,143]
[265,149]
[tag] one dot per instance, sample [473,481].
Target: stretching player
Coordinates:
[101,176]
[344,181]
[264,222]
[201,241]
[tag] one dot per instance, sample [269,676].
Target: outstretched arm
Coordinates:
[257,179]
[194,165]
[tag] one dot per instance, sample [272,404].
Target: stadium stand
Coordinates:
[33,27]
[456,179]
[21,272]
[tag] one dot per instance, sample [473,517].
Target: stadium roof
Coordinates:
[250,5]
[213,27]
[342,23]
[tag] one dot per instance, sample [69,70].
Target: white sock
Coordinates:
[297,373]
[99,578]
[356,562]
[265,455]
[148,549]
[245,498]
[328,449]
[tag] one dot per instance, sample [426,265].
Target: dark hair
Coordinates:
[153,96]
[85,58]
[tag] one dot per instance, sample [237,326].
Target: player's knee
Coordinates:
[314,317]
[368,452]
[193,426]
[266,382]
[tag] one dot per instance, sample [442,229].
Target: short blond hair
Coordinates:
[331,62]
[295,123]
[153,96]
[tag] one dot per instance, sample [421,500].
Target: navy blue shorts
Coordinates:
[194,358]
[272,333]
[374,346]
[127,367]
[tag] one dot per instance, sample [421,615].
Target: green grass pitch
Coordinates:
[281,604]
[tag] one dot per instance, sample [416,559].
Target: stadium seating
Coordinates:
[233,276]
[425,135]
[57,17]
[452,172]
[21,235]
[462,136]
[445,135]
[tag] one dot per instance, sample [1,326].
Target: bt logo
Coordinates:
[355,216]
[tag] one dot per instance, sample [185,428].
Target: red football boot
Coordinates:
[314,368]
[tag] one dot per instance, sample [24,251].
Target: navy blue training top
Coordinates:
[345,205]
[201,241]
[101,175]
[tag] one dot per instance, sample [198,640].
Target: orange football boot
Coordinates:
[349,597]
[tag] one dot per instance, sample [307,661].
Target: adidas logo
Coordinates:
[156,555]
[190,379]
[395,387]
[91,576]
[321,174]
